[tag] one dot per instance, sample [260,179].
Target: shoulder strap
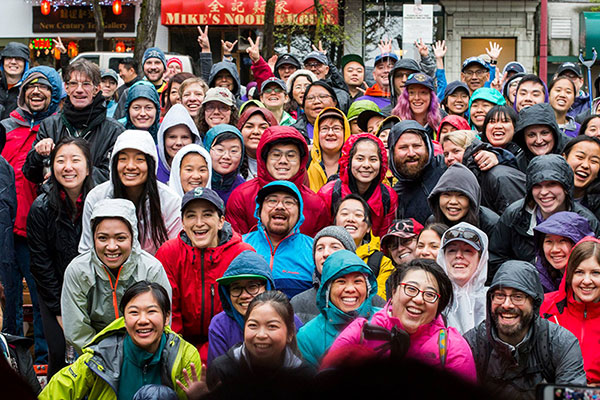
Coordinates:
[443,346]
[385,199]
[336,194]
[374,262]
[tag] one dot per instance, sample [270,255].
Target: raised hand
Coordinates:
[193,388]
[494,50]
[320,49]
[422,47]
[272,61]
[58,44]
[203,39]
[439,49]
[228,46]
[253,50]
[385,46]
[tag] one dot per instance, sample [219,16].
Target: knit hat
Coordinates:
[176,61]
[154,52]
[300,72]
[336,232]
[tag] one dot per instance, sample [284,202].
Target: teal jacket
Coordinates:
[315,338]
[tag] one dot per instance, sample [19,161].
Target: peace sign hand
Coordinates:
[203,39]
[253,50]
[58,44]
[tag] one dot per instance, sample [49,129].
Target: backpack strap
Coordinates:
[374,262]
[336,194]
[443,346]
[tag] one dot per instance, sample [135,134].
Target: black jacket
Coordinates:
[8,213]
[548,353]
[100,136]
[513,237]
[18,347]
[52,244]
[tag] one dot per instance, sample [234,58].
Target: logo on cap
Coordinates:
[420,77]
[198,191]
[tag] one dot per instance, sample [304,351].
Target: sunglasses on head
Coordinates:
[462,233]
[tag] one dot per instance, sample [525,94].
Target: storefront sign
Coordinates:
[244,12]
[81,19]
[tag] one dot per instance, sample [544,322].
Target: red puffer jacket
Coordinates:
[19,139]
[581,319]
[192,273]
[381,216]
[242,201]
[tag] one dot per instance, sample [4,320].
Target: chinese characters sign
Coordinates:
[244,12]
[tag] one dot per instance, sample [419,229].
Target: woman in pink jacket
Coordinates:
[421,292]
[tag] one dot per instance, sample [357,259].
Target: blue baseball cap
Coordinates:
[474,60]
[420,78]
[383,56]
[202,193]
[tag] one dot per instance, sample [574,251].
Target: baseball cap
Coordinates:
[514,66]
[419,78]
[462,234]
[383,56]
[569,66]
[275,81]
[359,106]
[474,60]
[220,94]
[315,55]
[403,229]
[454,86]
[365,116]
[40,80]
[331,113]
[348,58]
[201,193]
[275,186]
[109,73]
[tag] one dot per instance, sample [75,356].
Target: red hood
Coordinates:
[267,115]
[456,121]
[345,158]
[270,135]
[376,91]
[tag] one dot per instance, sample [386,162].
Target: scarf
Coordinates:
[85,119]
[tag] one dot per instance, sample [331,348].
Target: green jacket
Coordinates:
[96,373]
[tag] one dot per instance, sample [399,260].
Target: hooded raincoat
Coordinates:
[241,203]
[459,179]
[232,69]
[513,237]
[175,176]
[225,184]
[96,374]
[315,338]
[169,201]
[177,115]
[316,170]
[581,319]
[468,308]
[91,294]
[547,354]
[8,95]
[143,90]
[382,199]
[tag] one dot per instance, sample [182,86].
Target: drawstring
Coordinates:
[114,289]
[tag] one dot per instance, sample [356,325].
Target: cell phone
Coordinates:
[560,392]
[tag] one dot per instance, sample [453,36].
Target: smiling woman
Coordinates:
[143,108]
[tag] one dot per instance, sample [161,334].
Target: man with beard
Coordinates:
[278,239]
[416,168]
[514,348]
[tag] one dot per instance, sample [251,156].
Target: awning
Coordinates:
[589,32]
[244,12]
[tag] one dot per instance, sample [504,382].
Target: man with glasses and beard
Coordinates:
[514,348]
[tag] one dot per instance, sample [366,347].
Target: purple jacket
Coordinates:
[382,102]
[224,194]
[163,173]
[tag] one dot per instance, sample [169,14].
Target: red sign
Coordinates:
[244,12]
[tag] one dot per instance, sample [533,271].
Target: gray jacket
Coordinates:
[549,353]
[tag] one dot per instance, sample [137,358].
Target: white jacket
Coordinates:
[175,177]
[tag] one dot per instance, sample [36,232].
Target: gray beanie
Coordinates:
[338,233]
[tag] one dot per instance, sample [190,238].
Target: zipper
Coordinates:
[202,316]
[212,300]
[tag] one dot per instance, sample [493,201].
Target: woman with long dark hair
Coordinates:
[133,176]
[54,229]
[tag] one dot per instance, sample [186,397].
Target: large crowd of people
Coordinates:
[180,234]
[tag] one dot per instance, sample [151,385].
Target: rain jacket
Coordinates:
[424,343]
[566,224]
[240,206]
[175,175]
[315,338]
[513,237]
[21,129]
[538,114]
[90,300]
[18,349]
[226,329]
[177,115]
[8,212]
[377,95]
[8,96]
[368,249]
[291,261]
[144,90]
[232,69]
[193,274]
[459,179]
[169,201]
[224,185]
[468,308]
[581,319]
[96,373]
[548,353]
[456,121]
[413,192]
[382,199]
[316,170]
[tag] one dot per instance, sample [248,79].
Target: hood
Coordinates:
[246,263]
[177,115]
[276,133]
[456,121]
[347,149]
[286,58]
[538,114]
[398,130]
[135,139]
[220,182]
[550,167]
[519,275]
[403,63]
[338,264]
[57,87]
[315,152]
[146,90]
[457,178]
[119,208]
[267,115]
[174,177]
[229,67]
[14,49]
[289,185]
[488,94]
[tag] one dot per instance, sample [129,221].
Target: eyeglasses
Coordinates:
[252,289]
[37,86]
[321,97]
[413,291]
[313,64]
[518,299]
[288,202]
[404,242]
[334,129]
[462,233]
[270,90]
[291,155]
[87,85]
[219,106]
[479,73]
[220,152]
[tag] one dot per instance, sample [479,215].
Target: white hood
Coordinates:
[177,115]
[138,140]
[469,306]
[174,179]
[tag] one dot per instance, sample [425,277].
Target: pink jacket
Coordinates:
[423,343]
